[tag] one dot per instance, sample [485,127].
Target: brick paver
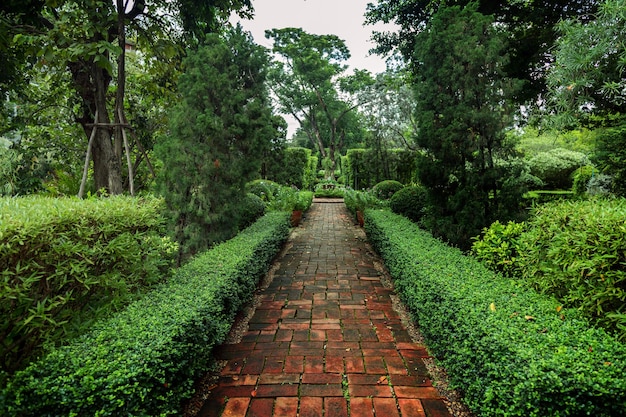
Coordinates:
[325,340]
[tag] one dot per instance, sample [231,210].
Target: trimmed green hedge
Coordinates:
[511,351]
[66,262]
[145,360]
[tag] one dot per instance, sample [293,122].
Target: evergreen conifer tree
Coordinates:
[218,133]
[463,100]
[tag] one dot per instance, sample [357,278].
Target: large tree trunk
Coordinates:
[91,83]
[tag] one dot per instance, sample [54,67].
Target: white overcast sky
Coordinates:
[343,18]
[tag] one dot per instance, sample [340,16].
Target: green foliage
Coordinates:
[528,28]
[265,189]
[67,262]
[555,167]
[582,176]
[576,251]
[280,197]
[8,169]
[611,156]
[498,248]
[587,76]
[307,80]
[251,208]
[531,142]
[145,360]
[304,201]
[366,167]
[218,133]
[410,202]
[329,189]
[360,201]
[384,190]
[546,196]
[290,168]
[464,103]
[512,351]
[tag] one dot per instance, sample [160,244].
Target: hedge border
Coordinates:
[511,351]
[145,360]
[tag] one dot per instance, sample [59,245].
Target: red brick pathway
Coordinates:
[325,341]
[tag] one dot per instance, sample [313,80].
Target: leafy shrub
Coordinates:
[581,177]
[512,351]
[329,189]
[409,202]
[384,190]
[67,262]
[555,167]
[304,200]
[145,360]
[265,189]
[610,156]
[498,248]
[576,251]
[251,208]
[361,201]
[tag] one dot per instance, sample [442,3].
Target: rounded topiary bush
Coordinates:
[385,189]
[409,202]
[251,208]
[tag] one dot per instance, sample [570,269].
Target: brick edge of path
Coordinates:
[325,339]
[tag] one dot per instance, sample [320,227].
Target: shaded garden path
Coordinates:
[325,339]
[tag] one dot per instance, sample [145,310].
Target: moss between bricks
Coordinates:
[511,351]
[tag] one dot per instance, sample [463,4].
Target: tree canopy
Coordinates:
[529,25]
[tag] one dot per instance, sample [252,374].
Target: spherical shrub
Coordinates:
[251,208]
[385,189]
[409,202]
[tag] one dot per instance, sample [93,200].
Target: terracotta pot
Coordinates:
[296,216]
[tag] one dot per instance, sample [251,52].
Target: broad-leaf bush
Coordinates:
[66,262]
[145,360]
[498,248]
[576,251]
[361,200]
[510,350]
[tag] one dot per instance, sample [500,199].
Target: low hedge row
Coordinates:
[144,361]
[66,262]
[511,351]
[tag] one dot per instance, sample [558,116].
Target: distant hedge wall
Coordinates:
[294,166]
[364,168]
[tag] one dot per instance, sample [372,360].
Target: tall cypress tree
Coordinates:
[218,134]
[462,95]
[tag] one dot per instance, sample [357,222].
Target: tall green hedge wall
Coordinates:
[293,166]
[364,168]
